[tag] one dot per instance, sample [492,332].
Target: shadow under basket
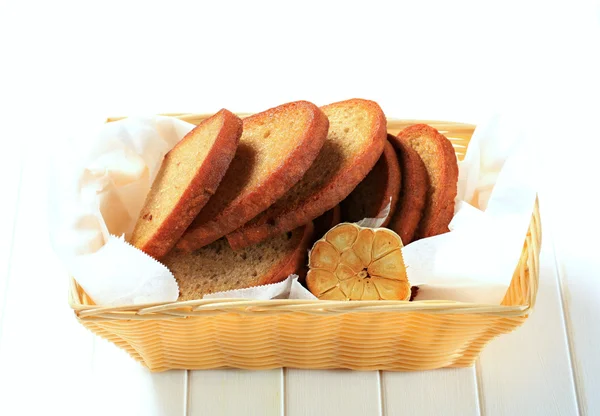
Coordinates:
[316,334]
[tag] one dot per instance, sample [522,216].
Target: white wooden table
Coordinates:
[95,63]
[550,366]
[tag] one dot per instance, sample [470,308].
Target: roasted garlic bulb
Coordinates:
[355,263]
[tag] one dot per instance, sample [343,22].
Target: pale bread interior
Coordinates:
[349,134]
[177,171]
[216,267]
[263,147]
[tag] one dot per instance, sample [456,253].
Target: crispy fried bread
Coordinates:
[357,136]
[413,191]
[216,267]
[277,147]
[439,158]
[189,175]
[379,188]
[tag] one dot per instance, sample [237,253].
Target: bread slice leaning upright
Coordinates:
[413,191]
[379,189]
[357,135]
[276,148]
[189,175]
[216,267]
[439,158]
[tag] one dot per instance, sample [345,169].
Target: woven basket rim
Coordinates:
[183,309]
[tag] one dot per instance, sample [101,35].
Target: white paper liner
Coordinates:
[150,282]
[99,184]
[475,261]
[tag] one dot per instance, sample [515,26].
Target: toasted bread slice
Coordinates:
[413,191]
[321,224]
[326,222]
[190,173]
[217,268]
[357,135]
[437,153]
[276,148]
[379,188]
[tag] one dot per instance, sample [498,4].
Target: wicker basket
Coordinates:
[366,335]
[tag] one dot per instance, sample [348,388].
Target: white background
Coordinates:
[65,61]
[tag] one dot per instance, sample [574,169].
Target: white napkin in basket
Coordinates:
[100,182]
[475,261]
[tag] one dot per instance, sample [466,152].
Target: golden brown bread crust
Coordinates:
[413,191]
[439,158]
[217,220]
[287,213]
[374,193]
[206,179]
[295,262]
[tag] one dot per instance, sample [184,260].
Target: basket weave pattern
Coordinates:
[365,335]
